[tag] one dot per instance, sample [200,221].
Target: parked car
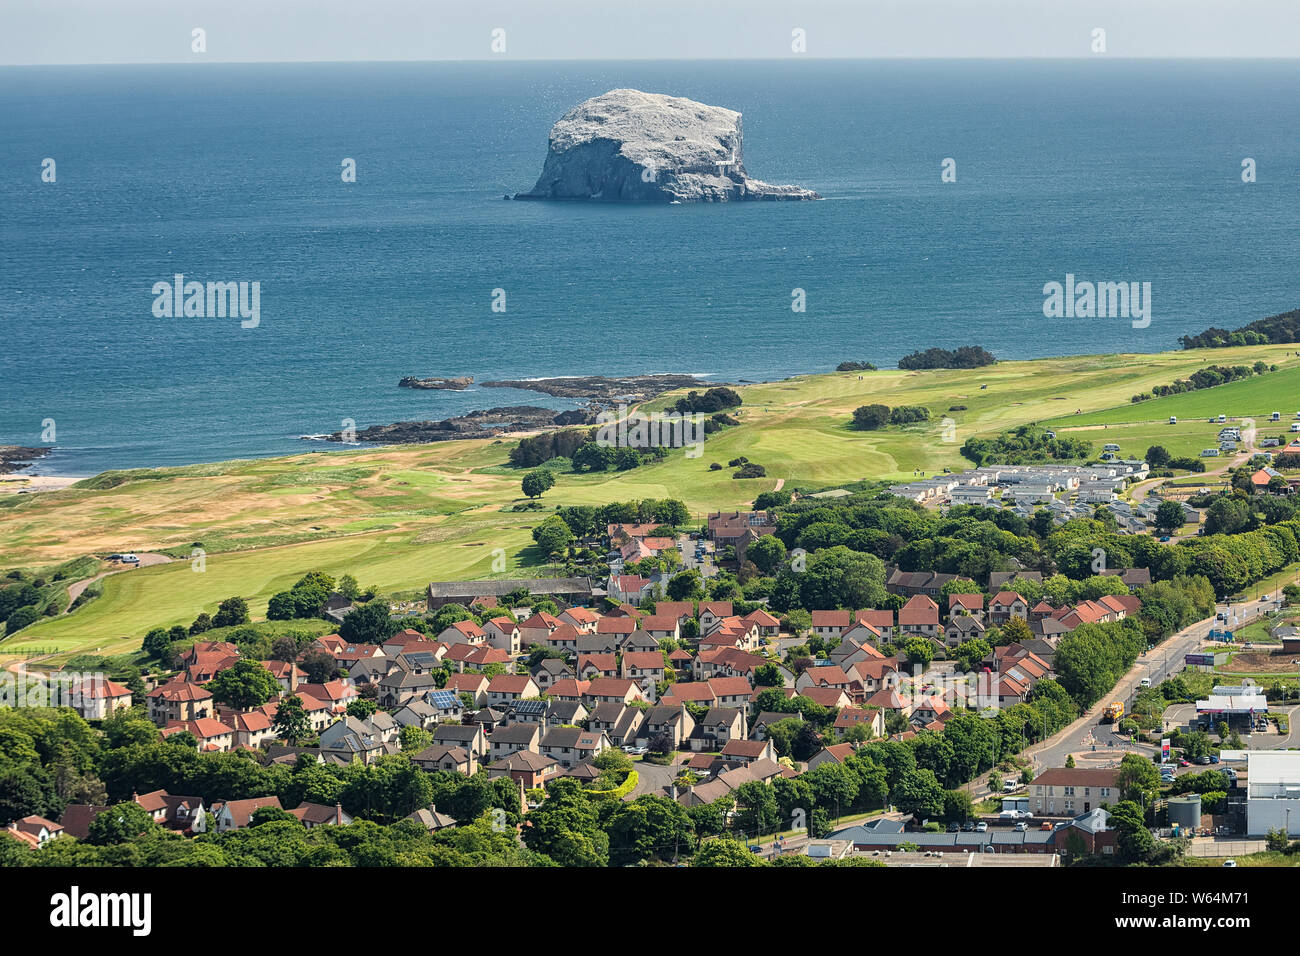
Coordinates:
[1203,759]
[1146,682]
[1214,758]
[1022,827]
[1184,762]
[1229,862]
[1010,786]
[1045,825]
[1165,538]
[970,825]
[981,827]
[954,827]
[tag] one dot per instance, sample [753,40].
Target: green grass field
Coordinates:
[398,517]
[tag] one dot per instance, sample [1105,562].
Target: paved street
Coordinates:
[1163,662]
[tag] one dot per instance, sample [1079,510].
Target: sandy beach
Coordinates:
[14,484]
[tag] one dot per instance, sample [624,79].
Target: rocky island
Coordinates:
[17,457]
[629,146]
[458,384]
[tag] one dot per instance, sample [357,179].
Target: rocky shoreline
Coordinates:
[480,424]
[603,389]
[458,384]
[17,457]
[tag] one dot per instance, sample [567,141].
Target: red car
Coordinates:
[1183,763]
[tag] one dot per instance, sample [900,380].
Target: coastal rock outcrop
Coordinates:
[480,424]
[628,146]
[456,384]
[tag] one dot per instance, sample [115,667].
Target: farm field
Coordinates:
[397,517]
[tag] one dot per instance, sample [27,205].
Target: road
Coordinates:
[1161,663]
[146,560]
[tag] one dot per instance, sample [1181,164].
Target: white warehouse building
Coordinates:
[1272,790]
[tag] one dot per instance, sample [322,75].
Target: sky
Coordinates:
[45,32]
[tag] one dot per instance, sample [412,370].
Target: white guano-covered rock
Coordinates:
[629,146]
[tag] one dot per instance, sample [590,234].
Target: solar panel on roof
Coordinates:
[443,699]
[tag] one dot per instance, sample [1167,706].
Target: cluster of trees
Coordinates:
[713,400]
[308,596]
[1092,658]
[1024,445]
[1284,327]
[855,367]
[965,356]
[871,417]
[538,449]
[588,520]
[1206,377]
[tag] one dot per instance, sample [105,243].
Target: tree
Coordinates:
[348,587]
[970,653]
[120,823]
[553,536]
[1016,631]
[918,793]
[291,721]
[361,708]
[567,828]
[201,623]
[686,586]
[244,685]
[726,852]
[1170,516]
[368,624]
[650,827]
[957,806]
[414,738]
[156,643]
[1158,456]
[537,483]
[870,417]
[767,553]
[919,652]
[231,612]
[768,675]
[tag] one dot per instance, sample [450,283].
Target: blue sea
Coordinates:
[1111,170]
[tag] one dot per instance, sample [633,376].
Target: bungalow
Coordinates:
[35,831]
[911,583]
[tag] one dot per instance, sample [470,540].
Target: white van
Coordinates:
[1295,426]
[1146,682]
[1173,419]
[1222,418]
[129,559]
[1275,417]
